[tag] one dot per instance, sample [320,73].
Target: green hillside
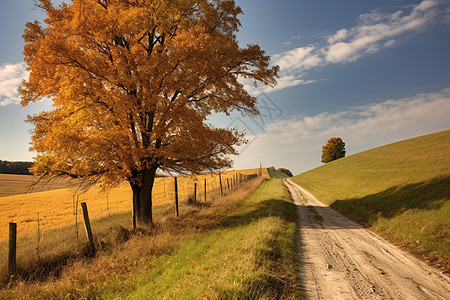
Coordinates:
[401,191]
[276,174]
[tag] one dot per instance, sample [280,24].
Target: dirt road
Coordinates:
[341,260]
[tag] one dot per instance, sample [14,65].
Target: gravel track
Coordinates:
[339,259]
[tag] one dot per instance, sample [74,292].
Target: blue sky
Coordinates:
[370,71]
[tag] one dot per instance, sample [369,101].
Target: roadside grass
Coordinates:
[276,174]
[228,249]
[400,191]
[250,255]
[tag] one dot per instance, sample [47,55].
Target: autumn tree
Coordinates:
[15,167]
[132,83]
[334,149]
[285,171]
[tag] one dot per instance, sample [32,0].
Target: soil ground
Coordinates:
[339,259]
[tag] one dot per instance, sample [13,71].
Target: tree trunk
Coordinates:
[142,187]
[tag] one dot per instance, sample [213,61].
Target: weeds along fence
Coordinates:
[53,219]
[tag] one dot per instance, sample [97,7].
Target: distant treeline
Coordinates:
[15,167]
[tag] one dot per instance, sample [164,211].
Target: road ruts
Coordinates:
[339,259]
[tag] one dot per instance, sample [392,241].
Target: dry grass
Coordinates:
[121,252]
[59,244]
[58,208]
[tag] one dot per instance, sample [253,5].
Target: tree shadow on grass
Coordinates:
[278,281]
[269,208]
[427,195]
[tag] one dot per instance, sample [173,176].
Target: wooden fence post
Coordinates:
[205,189]
[228,184]
[176,195]
[107,203]
[133,214]
[195,192]
[38,236]
[76,218]
[12,248]
[87,225]
[221,188]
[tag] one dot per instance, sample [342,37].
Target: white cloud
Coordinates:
[295,59]
[284,82]
[338,36]
[374,31]
[297,142]
[446,19]
[11,76]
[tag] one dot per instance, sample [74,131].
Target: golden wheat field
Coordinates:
[14,184]
[59,207]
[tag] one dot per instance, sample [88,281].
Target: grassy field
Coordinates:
[401,191]
[227,250]
[276,174]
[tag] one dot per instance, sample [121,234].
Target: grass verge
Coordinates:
[400,191]
[227,250]
[276,174]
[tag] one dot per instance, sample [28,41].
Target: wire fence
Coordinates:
[61,207]
[43,215]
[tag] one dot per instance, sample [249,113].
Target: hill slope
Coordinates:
[400,190]
[276,174]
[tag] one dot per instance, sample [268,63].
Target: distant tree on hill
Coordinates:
[334,149]
[15,167]
[285,171]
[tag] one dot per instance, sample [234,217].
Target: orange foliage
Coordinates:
[334,149]
[132,84]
